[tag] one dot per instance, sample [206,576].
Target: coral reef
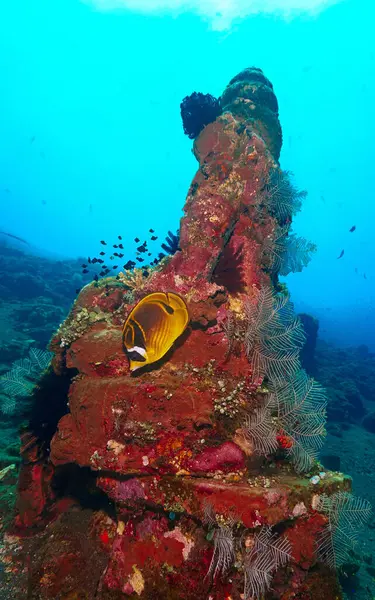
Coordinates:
[194,476]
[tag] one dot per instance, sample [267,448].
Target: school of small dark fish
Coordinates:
[170,246]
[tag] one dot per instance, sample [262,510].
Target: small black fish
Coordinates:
[78,290]
[101,274]
[100,261]
[116,254]
[111,257]
[85,271]
[154,237]
[96,277]
[145,273]
[102,253]
[103,242]
[139,259]
[115,267]
[149,254]
[352,228]
[341,254]
[119,237]
[115,245]
[117,277]
[137,240]
[152,230]
[89,260]
[121,246]
[141,248]
[84,266]
[120,255]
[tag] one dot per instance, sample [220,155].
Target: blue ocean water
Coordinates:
[91,142]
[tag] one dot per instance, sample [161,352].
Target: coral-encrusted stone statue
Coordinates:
[184,467]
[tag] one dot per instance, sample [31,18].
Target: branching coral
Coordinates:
[274,337]
[21,380]
[297,410]
[284,253]
[287,253]
[295,406]
[224,543]
[300,408]
[262,554]
[280,196]
[223,555]
[346,515]
[267,554]
[260,428]
[134,279]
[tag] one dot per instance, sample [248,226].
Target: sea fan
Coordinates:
[224,543]
[280,196]
[260,428]
[287,253]
[300,407]
[346,515]
[273,338]
[21,380]
[268,553]
[209,517]
[224,554]
[40,359]
[297,254]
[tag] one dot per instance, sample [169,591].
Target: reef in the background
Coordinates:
[194,476]
[311,327]
[349,378]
